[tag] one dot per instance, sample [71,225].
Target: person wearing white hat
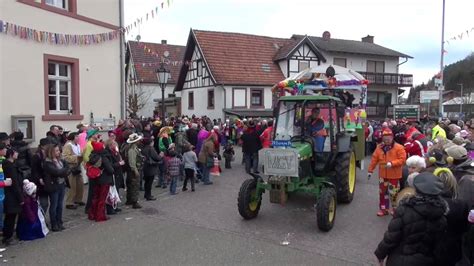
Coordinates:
[31,223]
[134,164]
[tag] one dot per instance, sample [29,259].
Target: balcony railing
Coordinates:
[399,80]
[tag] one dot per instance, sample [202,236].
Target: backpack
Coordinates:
[93,169]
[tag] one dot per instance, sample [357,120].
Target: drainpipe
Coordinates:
[398,72]
[225,100]
[122,63]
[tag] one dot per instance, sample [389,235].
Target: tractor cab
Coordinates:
[314,125]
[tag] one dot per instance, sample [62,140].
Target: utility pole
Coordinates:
[462,97]
[441,88]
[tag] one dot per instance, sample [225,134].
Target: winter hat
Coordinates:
[29,187]
[387,132]
[91,132]
[428,184]
[3,136]
[464,134]
[459,141]
[457,152]
[97,146]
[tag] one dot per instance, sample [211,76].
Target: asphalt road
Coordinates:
[205,228]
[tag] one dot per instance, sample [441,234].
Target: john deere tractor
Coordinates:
[316,149]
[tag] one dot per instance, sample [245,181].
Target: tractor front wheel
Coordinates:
[326,209]
[346,176]
[249,201]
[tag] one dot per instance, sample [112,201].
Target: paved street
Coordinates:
[205,228]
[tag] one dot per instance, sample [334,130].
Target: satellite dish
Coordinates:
[166,54]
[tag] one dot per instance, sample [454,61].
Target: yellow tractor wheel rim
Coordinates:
[332,210]
[352,173]
[253,201]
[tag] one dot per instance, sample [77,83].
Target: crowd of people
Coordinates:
[426,181]
[178,151]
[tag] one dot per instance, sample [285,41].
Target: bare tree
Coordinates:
[137,98]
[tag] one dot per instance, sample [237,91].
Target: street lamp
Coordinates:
[162,74]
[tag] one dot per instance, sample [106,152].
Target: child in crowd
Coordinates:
[174,170]
[228,155]
[190,160]
[31,223]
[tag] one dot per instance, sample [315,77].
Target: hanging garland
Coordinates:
[54,38]
[460,36]
[26,33]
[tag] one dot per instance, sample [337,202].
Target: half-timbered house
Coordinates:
[231,74]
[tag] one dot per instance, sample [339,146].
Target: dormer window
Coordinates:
[63,4]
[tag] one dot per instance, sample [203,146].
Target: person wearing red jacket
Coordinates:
[390,156]
[418,145]
[266,136]
[411,130]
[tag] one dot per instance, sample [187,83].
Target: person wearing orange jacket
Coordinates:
[390,156]
[266,136]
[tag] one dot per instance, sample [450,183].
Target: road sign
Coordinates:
[410,112]
[438,82]
[427,96]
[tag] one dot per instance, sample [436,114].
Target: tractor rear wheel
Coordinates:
[326,209]
[345,176]
[249,201]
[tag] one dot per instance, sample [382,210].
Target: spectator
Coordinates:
[150,166]
[416,165]
[72,155]
[250,146]
[13,197]
[56,172]
[31,223]
[267,136]
[37,173]
[189,160]
[174,171]
[192,134]
[99,157]
[206,158]
[134,164]
[417,226]
[118,164]
[23,163]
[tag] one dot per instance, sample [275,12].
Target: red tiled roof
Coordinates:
[236,58]
[142,60]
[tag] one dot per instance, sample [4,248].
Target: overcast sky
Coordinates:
[412,27]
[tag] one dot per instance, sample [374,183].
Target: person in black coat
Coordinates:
[101,158]
[251,144]
[114,156]
[13,197]
[192,134]
[55,181]
[37,173]
[23,162]
[150,166]
[417,227]
[458,225]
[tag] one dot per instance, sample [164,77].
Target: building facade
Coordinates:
[233,73]
[42,84]
[142,61]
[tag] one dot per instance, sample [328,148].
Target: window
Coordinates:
[25,124]
[58,3]
[375,66]
[256,98]
[239,97]
[379,98]
[340,62]
[210,99]
[302,65]
[199,68]
[191,100]
[61,88]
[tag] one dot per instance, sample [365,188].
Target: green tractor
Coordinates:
[308,157]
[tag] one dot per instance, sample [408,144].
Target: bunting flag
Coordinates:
[460,36]
[153,12]
[25,33]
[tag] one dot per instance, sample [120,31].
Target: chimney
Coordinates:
[326,35]
[368,38]
[164,42]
